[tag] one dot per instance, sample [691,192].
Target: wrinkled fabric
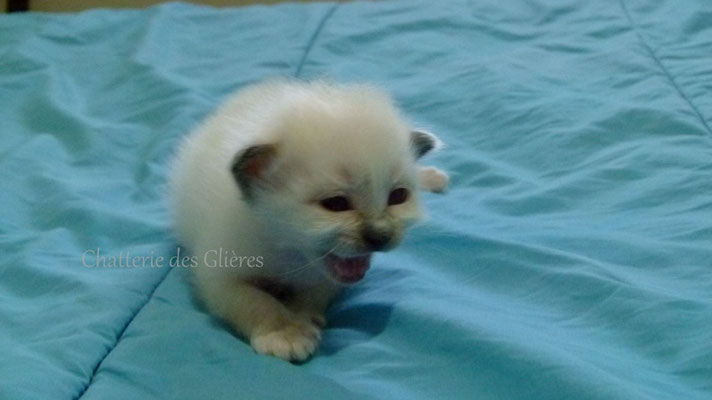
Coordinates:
[570,259]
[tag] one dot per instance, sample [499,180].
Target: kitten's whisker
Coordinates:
[307,265]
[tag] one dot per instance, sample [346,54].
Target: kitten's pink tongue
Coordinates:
[348,270]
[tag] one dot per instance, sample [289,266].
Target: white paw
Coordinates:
[433,179]
[295,340]
[319,320]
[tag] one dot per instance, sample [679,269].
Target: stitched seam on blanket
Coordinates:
[121,335]
[662,67]
[313,38]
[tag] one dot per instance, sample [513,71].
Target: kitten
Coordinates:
[284,194]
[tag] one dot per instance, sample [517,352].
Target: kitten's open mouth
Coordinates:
[348,269]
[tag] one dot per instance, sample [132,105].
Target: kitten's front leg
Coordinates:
[270,327]
[290,338]
[433,179]
[311,303]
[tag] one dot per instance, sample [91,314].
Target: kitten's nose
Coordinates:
[376,240]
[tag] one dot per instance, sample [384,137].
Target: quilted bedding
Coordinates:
[571,259]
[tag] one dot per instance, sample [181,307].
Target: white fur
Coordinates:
[331,140]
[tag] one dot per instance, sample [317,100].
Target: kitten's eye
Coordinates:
[336,204]
[397,196]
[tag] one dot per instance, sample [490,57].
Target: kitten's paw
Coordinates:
[295,340]
[318,319]
[433,179]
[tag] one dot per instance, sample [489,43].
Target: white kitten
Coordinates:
[282,196]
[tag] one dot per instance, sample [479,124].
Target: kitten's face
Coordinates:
[344,215]
[336,186]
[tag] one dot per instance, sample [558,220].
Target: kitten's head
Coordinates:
[338,179]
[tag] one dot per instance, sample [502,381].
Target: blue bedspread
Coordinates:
[571,259]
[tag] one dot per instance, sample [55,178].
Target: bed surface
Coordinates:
[571,259]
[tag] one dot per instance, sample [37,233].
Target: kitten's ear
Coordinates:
[423,142]
[250,167]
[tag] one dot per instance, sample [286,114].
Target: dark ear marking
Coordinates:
[249,167]
[423,142]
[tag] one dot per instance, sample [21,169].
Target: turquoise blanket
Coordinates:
[571,259]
